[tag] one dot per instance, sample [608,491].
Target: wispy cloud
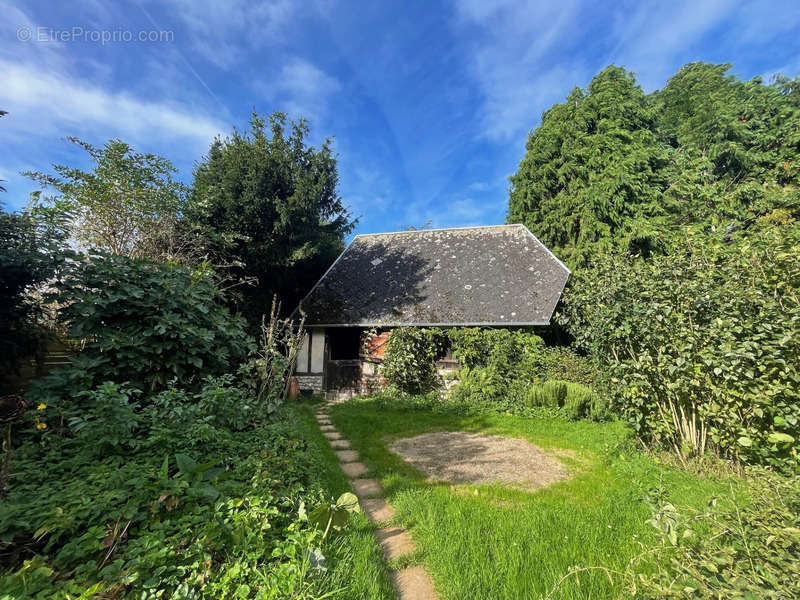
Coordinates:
[302,88]
[650,37]
[511,43]
[223,32]
[42,103]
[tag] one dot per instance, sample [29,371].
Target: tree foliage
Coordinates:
[149,323]
[701,346]
[593,171]
[678,211]
[128,204]
[614,169]
[268,202]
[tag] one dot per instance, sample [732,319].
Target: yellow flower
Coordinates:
[41,426]
[42,406]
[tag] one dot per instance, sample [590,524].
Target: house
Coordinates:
[494,276]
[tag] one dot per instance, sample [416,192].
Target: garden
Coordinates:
[161,463]
[624,519]
[646,445]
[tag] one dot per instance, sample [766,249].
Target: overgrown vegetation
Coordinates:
[148,322]
[678,211]
[161,462]
[141,474]
[500,369]
[409,362]
[700,348]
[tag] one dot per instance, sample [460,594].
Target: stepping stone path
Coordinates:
[411,583]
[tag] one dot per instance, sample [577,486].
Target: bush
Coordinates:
[577,400]
[565,364]
[480,386]
[409,363]
[701,347]
[550,393]
[149,323]
[508,352]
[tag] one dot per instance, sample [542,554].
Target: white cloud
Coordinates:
[223,32]
[650,38]
[301,89]
[510,43]
[41,102]
[527,55]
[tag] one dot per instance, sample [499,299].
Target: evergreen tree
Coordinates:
[615,170]
[593,173]
[269,206]
[735,145]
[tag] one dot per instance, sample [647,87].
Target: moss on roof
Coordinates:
[498,275]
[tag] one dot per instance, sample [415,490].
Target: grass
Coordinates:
[356,569]
[490,541]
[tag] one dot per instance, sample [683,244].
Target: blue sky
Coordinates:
[429,104]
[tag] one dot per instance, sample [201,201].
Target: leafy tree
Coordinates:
[148,323]
[696,334]
[269,204]
[612,169]
[32,252]
[128,204]
[593,174]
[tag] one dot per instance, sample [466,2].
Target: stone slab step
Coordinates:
[377,509]
[367,488]
[347,456]
[413,583]
[395,542]
[354,469]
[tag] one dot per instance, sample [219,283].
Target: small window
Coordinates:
[344,343]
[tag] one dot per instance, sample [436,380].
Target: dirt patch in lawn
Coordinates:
[460,457]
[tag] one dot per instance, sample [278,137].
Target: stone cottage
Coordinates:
[493,276]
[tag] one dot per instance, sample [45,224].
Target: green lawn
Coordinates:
[493,542]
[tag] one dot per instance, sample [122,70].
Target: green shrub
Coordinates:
[149,323]
[700,347]
[564,364]
[509,352]
[409,363]
[577,400]
[480,386]
[550,393]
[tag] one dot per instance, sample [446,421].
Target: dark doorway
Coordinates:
[344,343]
